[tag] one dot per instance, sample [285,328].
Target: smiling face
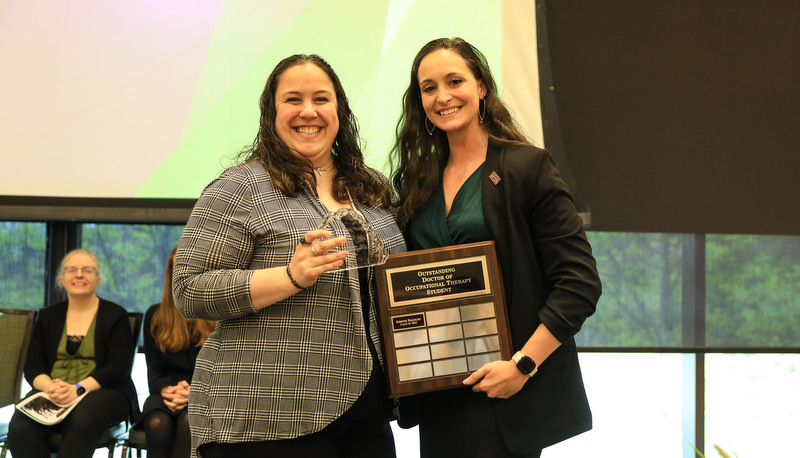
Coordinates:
[80,276]
[450,92]
[306,113]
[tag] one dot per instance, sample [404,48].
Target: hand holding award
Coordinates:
[363,246]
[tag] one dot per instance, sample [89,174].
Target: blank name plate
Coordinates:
[442,314]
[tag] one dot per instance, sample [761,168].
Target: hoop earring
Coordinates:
[430,131]
[481,114]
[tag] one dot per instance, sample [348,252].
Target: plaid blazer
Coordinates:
[291,368]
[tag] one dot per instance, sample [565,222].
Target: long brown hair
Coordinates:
[290,173]
[172,332]
[418,157]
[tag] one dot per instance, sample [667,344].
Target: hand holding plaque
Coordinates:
[363,246]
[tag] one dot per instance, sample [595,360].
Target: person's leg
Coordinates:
[83,426]
[183,438]
[28,438]
[159,429]
[369,439]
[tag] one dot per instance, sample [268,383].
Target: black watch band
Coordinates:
[79,389]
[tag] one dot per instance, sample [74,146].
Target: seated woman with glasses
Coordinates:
[82,345]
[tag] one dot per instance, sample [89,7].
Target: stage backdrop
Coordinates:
[153,98]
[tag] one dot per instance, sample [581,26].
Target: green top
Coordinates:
[72,368]
[431,228]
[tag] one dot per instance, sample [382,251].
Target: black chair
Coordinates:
[113,435]
[15,336]
[134,439]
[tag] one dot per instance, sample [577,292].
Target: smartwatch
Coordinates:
[79,389]
[525,364]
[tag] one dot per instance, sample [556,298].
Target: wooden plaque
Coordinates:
[442,314]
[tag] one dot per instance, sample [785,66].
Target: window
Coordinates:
[752,290]
[22,263]
[639,403]
[642,277]
[752,408]
[683,314]
[692,342]
[133,259]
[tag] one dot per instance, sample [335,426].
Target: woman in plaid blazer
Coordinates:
[294,365]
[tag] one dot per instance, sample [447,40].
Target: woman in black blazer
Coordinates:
[83,345]
[465,173]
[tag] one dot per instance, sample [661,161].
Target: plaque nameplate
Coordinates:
[442,314]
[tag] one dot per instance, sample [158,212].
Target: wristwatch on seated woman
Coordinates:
[79,389]
[525,364]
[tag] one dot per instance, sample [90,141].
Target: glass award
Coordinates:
[363,246]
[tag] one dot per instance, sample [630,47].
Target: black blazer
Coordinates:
[113,346]
[550,277]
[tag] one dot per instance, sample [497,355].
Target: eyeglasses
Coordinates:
[72,270]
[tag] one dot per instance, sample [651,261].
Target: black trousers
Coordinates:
[361,432]
[459,423]
[80,430]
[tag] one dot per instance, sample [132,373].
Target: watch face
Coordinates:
[526,365]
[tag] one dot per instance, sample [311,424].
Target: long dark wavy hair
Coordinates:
[290,173]
[417,158]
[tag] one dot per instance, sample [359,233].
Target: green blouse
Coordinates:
[431,228]
[72,368]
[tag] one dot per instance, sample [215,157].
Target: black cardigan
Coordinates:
[113,345]
[550,277]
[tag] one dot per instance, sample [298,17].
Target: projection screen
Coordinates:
[153,98]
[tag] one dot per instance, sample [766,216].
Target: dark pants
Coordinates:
[80,430]
[459,423]
[361,432]
[167,433]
